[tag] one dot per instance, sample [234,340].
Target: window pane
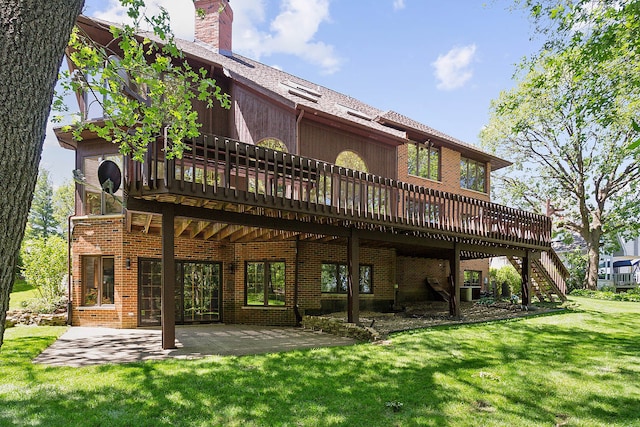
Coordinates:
[329,279]
[90,281]
[464,180]
[365,279]
[434,164]
[276,284]
[472,178]
[481,177]
[107,280]
[412,159]
[423,162]
[343,278]
[255,283]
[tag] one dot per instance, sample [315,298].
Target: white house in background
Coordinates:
[621,269]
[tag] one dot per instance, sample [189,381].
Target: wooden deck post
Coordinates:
[526,279]
[353,283]
[456,281]
[168,298]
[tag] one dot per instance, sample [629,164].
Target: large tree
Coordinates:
[32,42]
[33,37]
[568,128]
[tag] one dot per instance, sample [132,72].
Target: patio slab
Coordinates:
[82,346]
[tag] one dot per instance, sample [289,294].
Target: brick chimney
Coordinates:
[215,28]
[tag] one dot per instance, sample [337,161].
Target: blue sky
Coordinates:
[438,62]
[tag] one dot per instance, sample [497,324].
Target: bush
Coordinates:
[45,266]
[632,295]
[577,264]
[507,274]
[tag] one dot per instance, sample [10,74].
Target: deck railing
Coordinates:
[222,169]
[555,269]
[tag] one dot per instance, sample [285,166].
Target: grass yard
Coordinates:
[22,291]
[579,368]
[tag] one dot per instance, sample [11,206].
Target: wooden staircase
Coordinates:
[437,287]
[548,275]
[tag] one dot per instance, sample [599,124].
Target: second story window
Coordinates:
[473,175]
[423,161]
[96,201]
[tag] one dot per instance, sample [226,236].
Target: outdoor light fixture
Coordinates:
[127,263]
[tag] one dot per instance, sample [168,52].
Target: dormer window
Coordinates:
[423,160]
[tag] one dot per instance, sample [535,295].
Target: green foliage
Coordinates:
[42,222]
[507,274]
[64,205]
[44,266]
[632,295]
[576,262]
[21,293]
[578,368]
[144,85]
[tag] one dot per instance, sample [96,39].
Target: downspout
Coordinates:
[296,309]
[298,120]
[69,279]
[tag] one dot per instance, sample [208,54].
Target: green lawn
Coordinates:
[22,291]
[579,368]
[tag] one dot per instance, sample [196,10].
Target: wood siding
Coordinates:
[323,143]
[215,120]
[257,118]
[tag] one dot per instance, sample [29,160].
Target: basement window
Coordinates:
[335,278]
[265,283]
[97,280]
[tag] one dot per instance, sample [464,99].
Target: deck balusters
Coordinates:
[229,170]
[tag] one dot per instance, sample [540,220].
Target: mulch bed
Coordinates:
[434,313]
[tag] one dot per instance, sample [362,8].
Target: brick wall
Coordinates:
[412,275]
[449,174]
[99,237]
[312,255]
[107,236]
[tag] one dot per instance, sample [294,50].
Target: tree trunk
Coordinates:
[593,252]
[33,36]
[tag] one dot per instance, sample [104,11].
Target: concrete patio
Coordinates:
[82,346]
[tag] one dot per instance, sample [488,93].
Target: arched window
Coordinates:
[264,183]
[350,188]
[273,143]
[351,160]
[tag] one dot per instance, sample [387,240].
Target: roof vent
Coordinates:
[354,112]
[301,90]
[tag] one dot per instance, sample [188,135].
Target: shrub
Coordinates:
[507,274]
[577,264]
[45,266]
[632,295]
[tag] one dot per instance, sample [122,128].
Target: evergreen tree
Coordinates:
[42,222]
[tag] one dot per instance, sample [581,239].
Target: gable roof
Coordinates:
[300,94]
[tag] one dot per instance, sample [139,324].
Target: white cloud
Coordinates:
[291,32]
[453,69]
[182,18]
[398,4]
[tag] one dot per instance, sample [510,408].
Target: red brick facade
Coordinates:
[108,236]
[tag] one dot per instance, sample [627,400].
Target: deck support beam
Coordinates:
[526,279]
[455,282]
[168,299]
[353,283]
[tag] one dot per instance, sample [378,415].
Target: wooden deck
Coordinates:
[226,175]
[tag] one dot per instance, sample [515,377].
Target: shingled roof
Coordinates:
[301,94]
